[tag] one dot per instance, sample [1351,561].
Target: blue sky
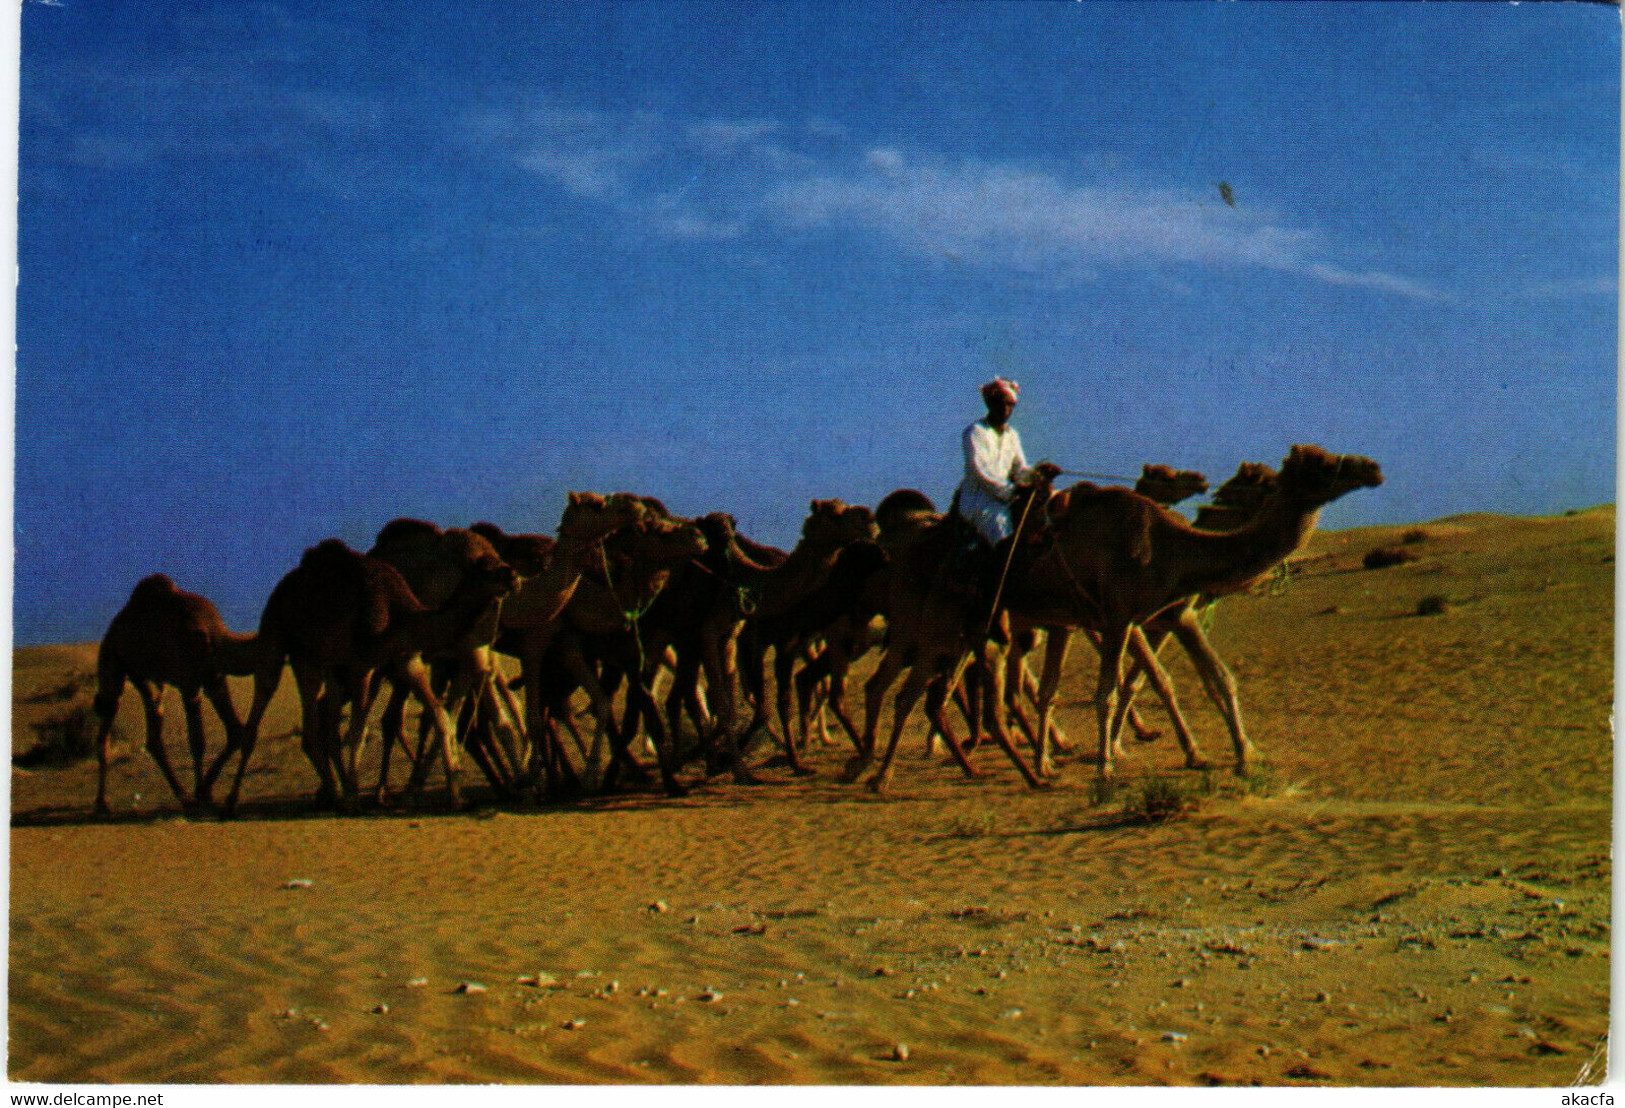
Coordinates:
[291,270]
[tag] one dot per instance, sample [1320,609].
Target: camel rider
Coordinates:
[995,465]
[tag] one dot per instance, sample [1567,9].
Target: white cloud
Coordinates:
[738,176]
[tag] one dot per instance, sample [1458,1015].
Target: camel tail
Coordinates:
[239,655]
[110,675]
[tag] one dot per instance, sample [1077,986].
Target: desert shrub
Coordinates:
[1432,605]
[974,825]
[1261,781]
[1160,799]
[64,739]
[1384,556]
[1104,790]
[1414,536]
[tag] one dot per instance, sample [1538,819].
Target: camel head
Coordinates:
[664,542]
[485,574]
[1252,482]
[588,517]
[528,554]
[719,529]
[1167,485]
[835,523]
[1313,476]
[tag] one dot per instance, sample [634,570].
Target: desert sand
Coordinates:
[1413,890]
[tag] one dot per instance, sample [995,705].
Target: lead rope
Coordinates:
[630,615]
[1009,559]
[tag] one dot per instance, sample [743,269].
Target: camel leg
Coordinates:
[1219,682]
[1030,690]
[544,739]
[220,696]
[993,671]
[919,676]
[416,676]
[1056,645]
[809,681]
[784,660]
[392,727]
[1108,691]
[524,750]
[192,705]
[874,694]
[640,699]
[311,739]
[936,702]
[1146,661]
[106,704]
[347,755]
[266,679]
[152,701]
[720,663]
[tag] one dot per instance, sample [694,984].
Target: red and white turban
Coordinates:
[999,388]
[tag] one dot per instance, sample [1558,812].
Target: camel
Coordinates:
[338,616]
[1166,486]
[603,621]
[1116,560]
[791,630]
[771,594]
[434,563]
[163,636]
[935,625]
[691,621]
[531,617]
[899,518]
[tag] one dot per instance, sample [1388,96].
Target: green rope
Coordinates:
[630,615]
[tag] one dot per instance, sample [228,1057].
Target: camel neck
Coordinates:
[1234,560]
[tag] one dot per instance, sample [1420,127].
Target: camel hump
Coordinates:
[406,530]
[154,586]
[1112,516]
[895,507]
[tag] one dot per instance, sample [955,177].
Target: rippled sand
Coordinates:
[1415,891]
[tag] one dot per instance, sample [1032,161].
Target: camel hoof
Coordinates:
[1046,769]
[1147,736]
[746,777]
[854,769]
[877,784]
[1198,763]
[804,771]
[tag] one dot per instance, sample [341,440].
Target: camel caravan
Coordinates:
[652,619]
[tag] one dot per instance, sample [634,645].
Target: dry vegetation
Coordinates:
[1413,889]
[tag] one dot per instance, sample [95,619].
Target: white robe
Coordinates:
[994,463]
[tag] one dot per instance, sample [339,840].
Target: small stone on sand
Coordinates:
[469,988]
[899,1053]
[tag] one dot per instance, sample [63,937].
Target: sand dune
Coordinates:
[1414,890]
